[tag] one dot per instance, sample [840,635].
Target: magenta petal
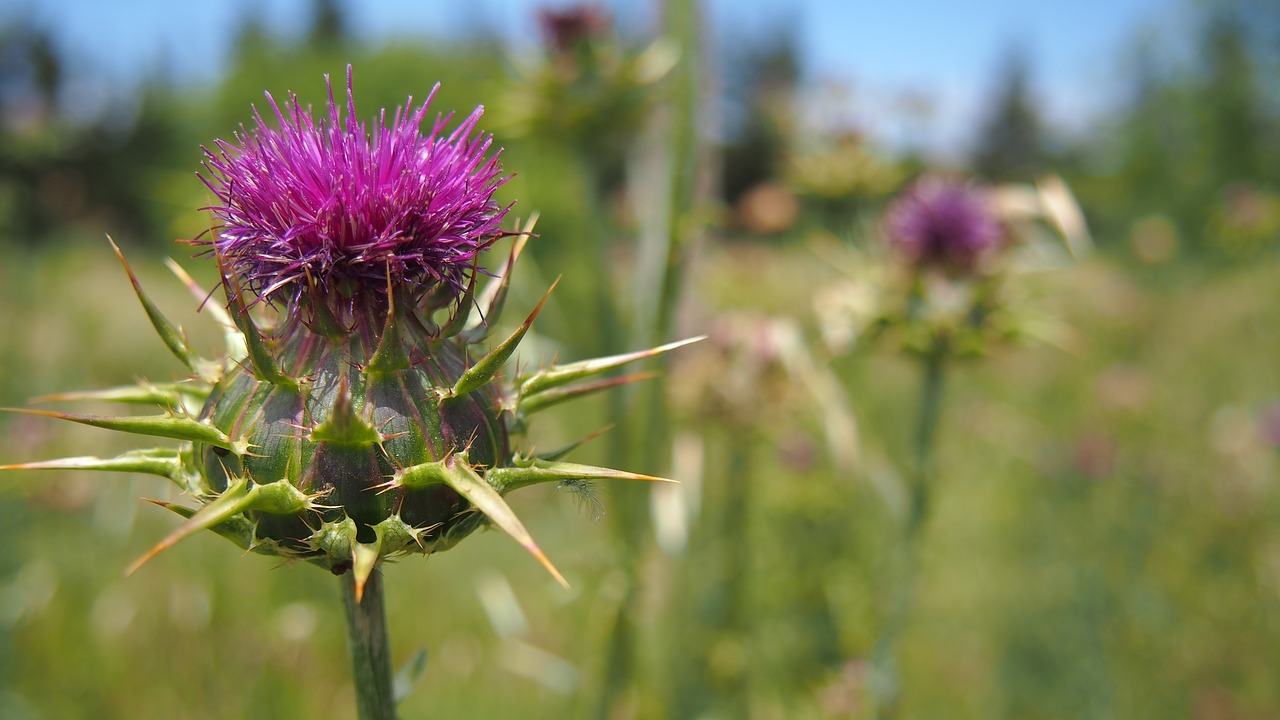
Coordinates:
[333,199]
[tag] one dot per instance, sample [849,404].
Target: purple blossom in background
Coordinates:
[942,222]
[563,28]
[327,201]
[1269,425]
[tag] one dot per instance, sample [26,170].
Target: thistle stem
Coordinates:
[906,566]
[926,433]
[663,266]
[370,651]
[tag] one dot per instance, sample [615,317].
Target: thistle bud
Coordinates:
[356,416]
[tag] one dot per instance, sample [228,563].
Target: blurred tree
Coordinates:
[1197,133]
[30,136]
[328,24]
[760,81]
[1010,145]
[1231,100]
[251,35]
[32,69]
[125,166]
[46,67]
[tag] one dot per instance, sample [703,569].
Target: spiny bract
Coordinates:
[356,426]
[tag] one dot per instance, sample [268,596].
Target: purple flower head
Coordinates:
[329,203]
[942,222]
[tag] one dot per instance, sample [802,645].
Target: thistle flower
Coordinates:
[355,426]
[564,28]
[942,223]
[587,88]
[329,202]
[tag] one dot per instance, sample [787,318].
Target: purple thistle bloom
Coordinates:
[942,222]
[326,202]
[563,29]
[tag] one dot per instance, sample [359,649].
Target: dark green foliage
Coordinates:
[1010,146]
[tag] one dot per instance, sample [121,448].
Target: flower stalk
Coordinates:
[906,563]
[946,234]
[370,646]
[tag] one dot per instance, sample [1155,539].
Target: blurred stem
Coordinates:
[370,651]
[926,433]
[661,277]
[906,565]
[607,331]
[711,670]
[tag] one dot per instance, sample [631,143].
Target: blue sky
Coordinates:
[946,50]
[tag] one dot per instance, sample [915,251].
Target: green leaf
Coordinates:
[264,366]
[364,558]
[343,425]
[494,296]
[410,675]
[554,396]
[170,426]
[242,494]
[485,369]
[168,332]
[390,356]
[165,462]
[506,479]
[168,396]
[462,312]
[558,375]
[233,338]
[459,475]
[237,528]
[230,503]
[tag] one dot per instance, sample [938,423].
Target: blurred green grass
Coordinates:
[1104,544]
[1104,541]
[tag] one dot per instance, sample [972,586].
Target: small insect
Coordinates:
[585,495]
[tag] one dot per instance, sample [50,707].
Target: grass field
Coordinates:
[1104,541]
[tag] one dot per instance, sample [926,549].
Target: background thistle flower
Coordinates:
[564,28]
[950,251]
[356,425]
[943,223]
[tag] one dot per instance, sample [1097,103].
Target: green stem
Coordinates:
[656,315]
[370,651]
[711,597]
[885,660]
[618,675]
[926,432]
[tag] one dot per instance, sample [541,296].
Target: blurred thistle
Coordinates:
[753,396]
[840,168]
[942,277]
[942,291]
[353,425]
[939,222]
[756,369]
[565,30]
[586,87]
[1245,221]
